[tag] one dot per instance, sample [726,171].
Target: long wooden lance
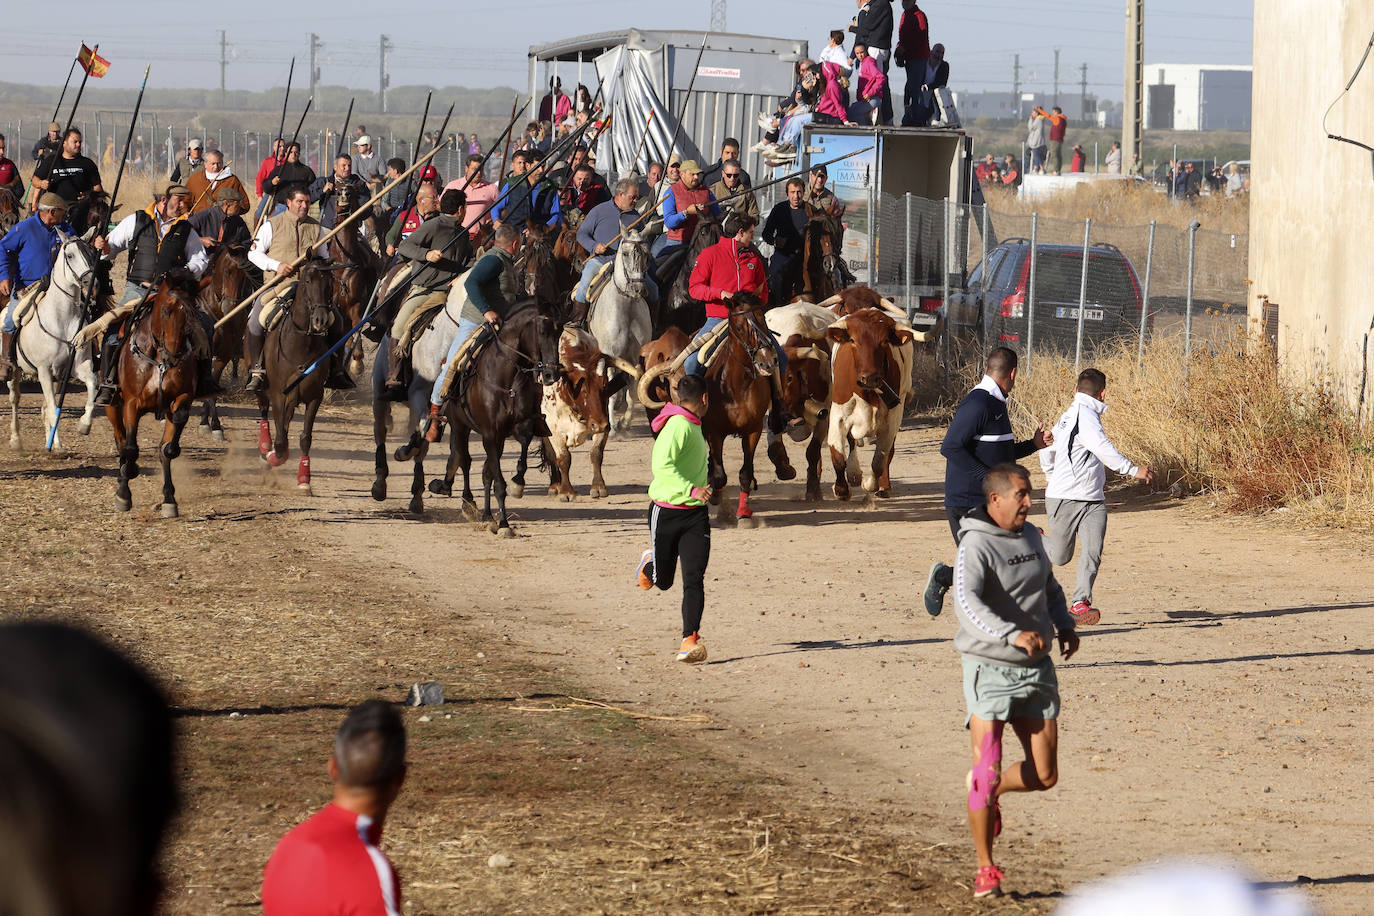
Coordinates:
[348,221]
[281,127]
[687,99]
[415,150]
[514,116]
[128,139]
[52,154]
[343,135]
[648,122]
[265,214]
[505,151]
[63,96]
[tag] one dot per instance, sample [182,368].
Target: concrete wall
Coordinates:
[1312,199]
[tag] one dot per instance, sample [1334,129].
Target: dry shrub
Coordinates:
[1128,203]
[1227,424]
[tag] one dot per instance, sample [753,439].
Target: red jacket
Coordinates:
[725,266]
[265,170]
[330,864]
[913,37]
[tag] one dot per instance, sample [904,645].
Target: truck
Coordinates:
[906,194]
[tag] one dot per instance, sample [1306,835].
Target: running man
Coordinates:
[679,522]
[1009,607]
[979,438]
[1075,501]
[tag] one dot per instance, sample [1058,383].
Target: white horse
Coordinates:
[44,344]
[620,319]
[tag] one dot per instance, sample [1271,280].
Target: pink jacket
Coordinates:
[871,79]
[831,101]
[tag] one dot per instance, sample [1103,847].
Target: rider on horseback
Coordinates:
[158,239]
[26,258]
[223,223]
[733,265]
[442,251]
[492,287]
[682,208]
[282,240]
[600,235]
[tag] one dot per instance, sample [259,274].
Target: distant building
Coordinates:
[1197,97]
[998,106]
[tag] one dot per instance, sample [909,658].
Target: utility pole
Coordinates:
[1016,84]
[1056,77]
[223,63]
[717,15]
[1132,106]
[314,63]
[1083,90]
[383,78]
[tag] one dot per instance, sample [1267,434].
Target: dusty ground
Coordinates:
[1213,713]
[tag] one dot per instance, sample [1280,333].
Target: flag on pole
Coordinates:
[92,62]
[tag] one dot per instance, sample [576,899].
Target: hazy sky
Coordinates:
[490,40]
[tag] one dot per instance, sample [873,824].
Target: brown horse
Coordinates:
[501,399]
[677,308]
[356,274]
[569,256]
[92,208]
[300,338]
[157,375]
[229,279]
[819,271]
[737,382]
[9,210]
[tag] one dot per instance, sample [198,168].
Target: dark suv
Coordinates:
[991,310]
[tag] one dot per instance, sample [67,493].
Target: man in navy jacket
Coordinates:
[979,438]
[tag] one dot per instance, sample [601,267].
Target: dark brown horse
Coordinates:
[677,308]
[501,399]
[357,272]
[299,339]
[819,271]
[92,208]
[228,281]
[739,389]
[157,375]
[569,256]
[9,210]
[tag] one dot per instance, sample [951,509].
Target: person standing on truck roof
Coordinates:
[913,48]
[872,28]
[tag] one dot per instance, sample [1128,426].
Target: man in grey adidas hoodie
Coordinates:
[1009,607]
[1075,499]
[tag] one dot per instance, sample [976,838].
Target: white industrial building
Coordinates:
[1197,97]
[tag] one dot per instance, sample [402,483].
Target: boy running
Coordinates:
[679,523]
[1075,469]
[1009,606]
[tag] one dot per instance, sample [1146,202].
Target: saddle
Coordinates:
[29,301]
[462,368]
[604,277]
[421,319]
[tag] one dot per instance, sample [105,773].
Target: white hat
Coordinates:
[364,140]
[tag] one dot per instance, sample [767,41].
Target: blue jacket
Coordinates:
[979,437]
[26,251]
[516,196]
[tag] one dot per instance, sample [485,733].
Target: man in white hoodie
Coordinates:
[1075,469]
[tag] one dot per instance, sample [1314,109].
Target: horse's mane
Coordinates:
[181,280]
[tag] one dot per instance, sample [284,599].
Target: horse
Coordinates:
[502,399]
[156,374]
[43,346]
[676,306]
[356,272]
[801,328]
[91,211]
[300,337]
[620,318]
[737,382]
[569,255]
[228,280]
[823,271]
[9,210]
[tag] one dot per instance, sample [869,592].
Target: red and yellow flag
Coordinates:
[92,62]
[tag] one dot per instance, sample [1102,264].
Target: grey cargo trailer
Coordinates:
[739,77]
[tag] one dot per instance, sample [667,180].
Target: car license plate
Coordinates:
[1088,314]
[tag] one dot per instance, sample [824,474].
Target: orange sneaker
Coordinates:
[645,582]
[693,650]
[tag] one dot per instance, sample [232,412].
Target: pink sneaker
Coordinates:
[1084,614]
[989,882]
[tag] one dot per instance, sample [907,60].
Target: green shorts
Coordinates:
[1000,693]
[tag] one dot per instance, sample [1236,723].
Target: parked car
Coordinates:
[992,308]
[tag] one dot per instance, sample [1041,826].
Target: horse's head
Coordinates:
[77,261]
[632,263]
[748,329]
[311,311]
[822,241]
[173,310]
[538,277]
[348,199]
[92,211]
[539,342]
[706,234]
[9,210]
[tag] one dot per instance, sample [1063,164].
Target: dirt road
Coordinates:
[1214,713]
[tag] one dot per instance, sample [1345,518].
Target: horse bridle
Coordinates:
[761,336]
[83,295]
[171,360]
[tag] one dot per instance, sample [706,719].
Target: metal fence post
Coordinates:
[1030,306]
[1193,227]
[872,231]
[947,244]
[911,308]
[1082,293]
[984,262]
[1173,171]
[1145,297]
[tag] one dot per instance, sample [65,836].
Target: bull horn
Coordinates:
[892,308]
[646,380]
[831,302]
[624,365]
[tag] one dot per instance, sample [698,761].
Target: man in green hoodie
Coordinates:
[679,522]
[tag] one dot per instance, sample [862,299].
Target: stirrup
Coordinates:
[104,395]
[257,378]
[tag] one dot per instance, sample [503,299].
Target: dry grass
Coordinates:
[1227,424]
[1121,203]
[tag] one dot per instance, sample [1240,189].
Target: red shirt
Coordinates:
[913,36]
[265,170]
[727,266]
[7,172]
[330,866]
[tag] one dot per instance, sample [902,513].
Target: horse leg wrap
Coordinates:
[743,511]
[303,472]
[264,437]
[987,772]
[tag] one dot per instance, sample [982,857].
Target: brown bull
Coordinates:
[575,408]
[870,380]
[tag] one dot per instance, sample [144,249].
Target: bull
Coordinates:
[871,360]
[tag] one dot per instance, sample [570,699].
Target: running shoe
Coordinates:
[645,582]
[692,650]
[989,882]
[1084,614]
[935,588]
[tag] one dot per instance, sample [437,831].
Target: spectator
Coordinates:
[934,75]
[9,175]
[1058,127]
[1011,173]
[1079,160]
[913,49]
[331,863]
[1235,185]
[984,167]
[1036,128]
[872,28]
[1114,158]
[583,102]
[729,149]
[556,105]
[49,143]
[88,772]
[1137,169]
[867,108]
[1188,182]
[834,52]
[830,107]
[194,162]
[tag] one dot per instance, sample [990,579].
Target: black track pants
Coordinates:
[682,534]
